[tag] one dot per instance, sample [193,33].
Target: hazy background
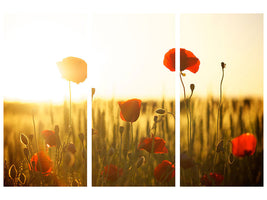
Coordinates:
[237,40]
[128,55]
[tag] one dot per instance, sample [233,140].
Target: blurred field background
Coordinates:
[18,118]
[239,115]
[107,148]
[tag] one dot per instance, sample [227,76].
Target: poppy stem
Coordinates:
[220,104]
[70,127]
[186,106]
[36,142]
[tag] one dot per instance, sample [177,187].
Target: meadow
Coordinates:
[117,156]
[62,156]
[211,161]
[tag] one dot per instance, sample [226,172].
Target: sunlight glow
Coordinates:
[33,45]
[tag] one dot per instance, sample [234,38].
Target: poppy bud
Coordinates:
[24,139]
[155,118]
[12,172]
[30,137]
[26,152]
[140,161]
[93,92]
[223,65]
[192,87]
[71,148]
[81,136]
[22,178]
[160,111]
[219,147]
[121,129]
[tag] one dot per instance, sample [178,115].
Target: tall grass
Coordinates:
[111,146]
[237,116]
[31,119]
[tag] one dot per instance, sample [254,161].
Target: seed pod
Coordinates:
[12,172]
[24,139]
[160,111]
[231,159]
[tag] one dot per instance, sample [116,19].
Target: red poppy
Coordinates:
[165,171]
[244,144]
[111,172]
[41,162]
[73,69]
[50,138]
[211,179]
[130,109]
[188,61]
[186,162]
[169,60]
[159,145]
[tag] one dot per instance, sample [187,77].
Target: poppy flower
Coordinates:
[159,145]
[169,60]
[41,162]
[50,138]
[130,109]
[244,144]
[73,69]
[165,171]
[211,179]
[111,172]
[188,61]
[186,162]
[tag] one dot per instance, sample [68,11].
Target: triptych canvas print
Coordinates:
[116,95]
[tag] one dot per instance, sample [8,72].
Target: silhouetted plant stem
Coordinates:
[37,149]
[220,104]
[186,107]
[70,126]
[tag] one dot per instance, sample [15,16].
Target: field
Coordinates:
[118,159]
[210,157]
[62,162]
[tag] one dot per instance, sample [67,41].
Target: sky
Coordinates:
[33,44]
[235,39]
[128,55]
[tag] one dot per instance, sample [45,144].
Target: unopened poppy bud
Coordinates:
[93,92]
[30,137]
[231,159]
[192,87]
[12,172]
[140,161]
[24,139]
[183,74]
[155,118]
[26,152]
[22,178]
[219,147]
[223,65]
[81,136]
[160,111]
[121,129]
